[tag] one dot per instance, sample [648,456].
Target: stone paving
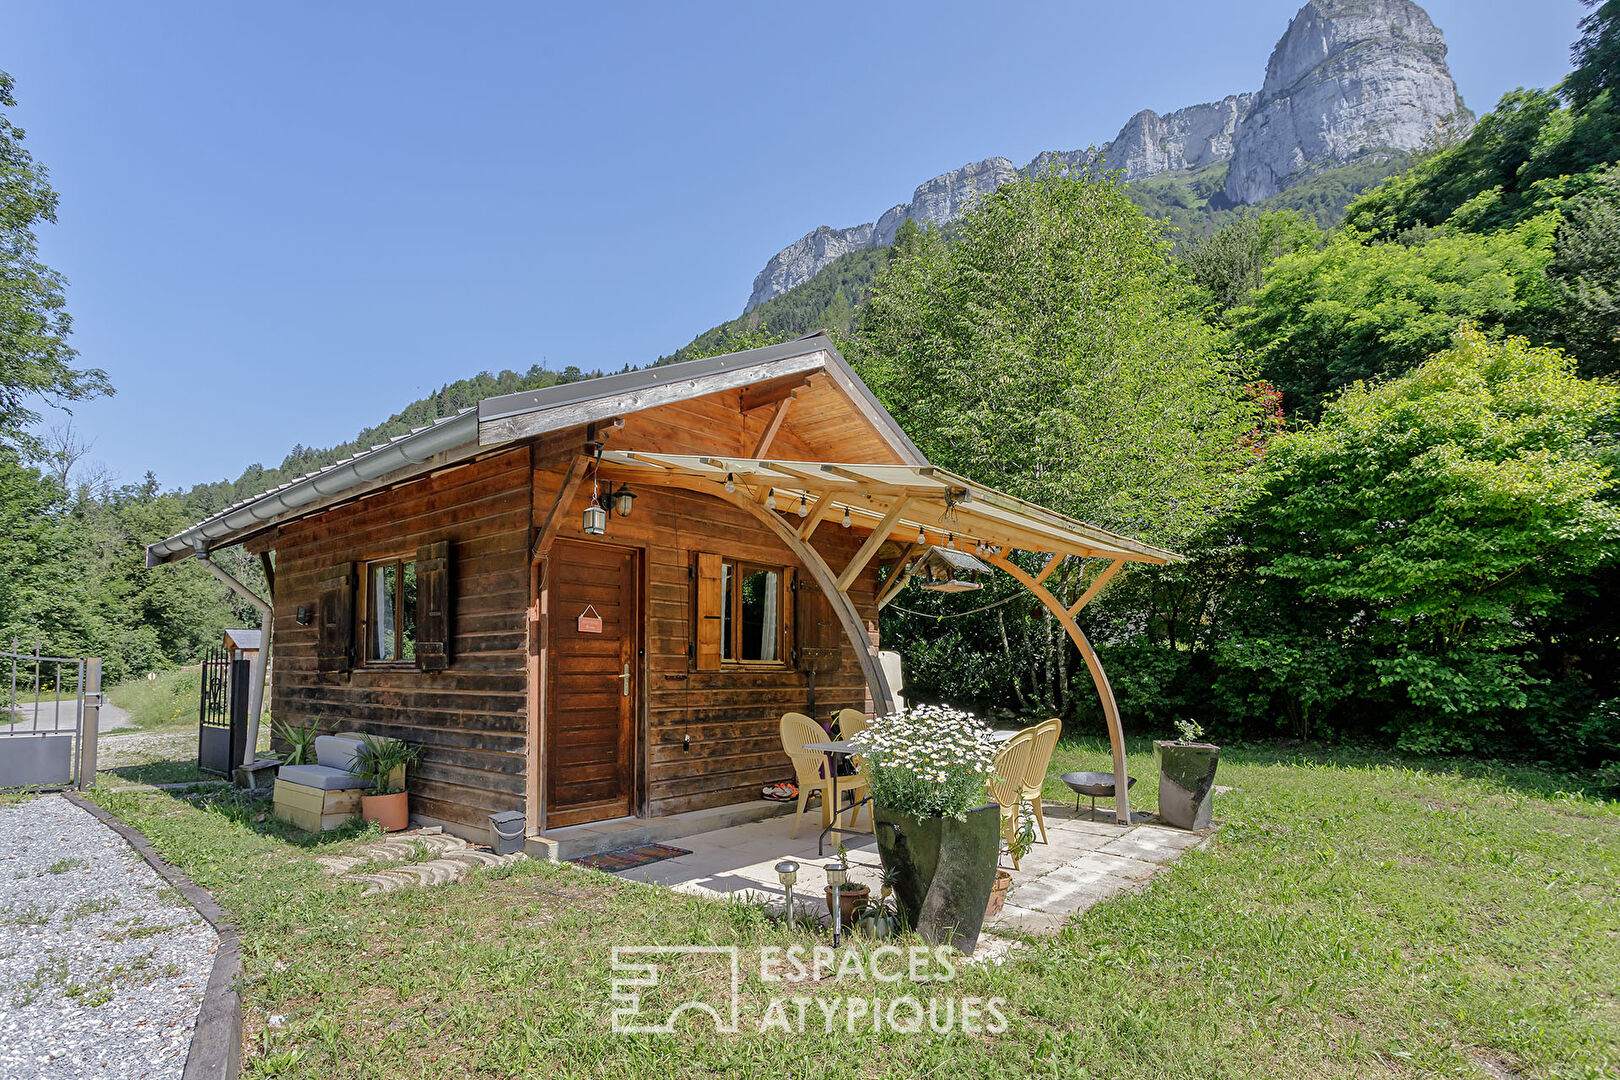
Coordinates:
[1085,863]
[452,859]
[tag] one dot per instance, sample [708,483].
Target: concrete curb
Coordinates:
[216,1042]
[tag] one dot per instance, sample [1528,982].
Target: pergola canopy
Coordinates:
[901,501]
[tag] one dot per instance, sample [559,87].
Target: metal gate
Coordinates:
[48,728]
[222,712]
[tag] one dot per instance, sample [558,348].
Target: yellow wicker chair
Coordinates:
[1006,787]
[1045,735]
[813,769]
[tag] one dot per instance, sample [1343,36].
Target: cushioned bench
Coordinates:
[325,795]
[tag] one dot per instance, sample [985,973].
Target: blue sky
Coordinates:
[281,222]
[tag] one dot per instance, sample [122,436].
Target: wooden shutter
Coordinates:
[818,634]
[334,647]
[707,611]
[433,606]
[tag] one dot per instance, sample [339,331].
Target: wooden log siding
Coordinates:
[469,717]
[731,714]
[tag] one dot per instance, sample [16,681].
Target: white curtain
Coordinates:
[771,625]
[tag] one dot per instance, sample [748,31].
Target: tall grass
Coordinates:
[166,701]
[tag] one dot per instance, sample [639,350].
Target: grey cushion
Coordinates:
[319,776]
[336,751]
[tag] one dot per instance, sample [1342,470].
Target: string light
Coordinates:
[731,483]
[921,539]
[804,509]
[846,517]
[770,499]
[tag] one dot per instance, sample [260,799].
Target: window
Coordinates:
[751,627]
[742,613]
[390,611]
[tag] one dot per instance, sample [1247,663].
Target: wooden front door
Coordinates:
[592,666]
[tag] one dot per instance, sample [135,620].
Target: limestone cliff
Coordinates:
[1348,79]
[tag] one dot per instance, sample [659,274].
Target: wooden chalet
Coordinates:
[748,516]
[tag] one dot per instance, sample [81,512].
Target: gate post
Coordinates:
[90,720]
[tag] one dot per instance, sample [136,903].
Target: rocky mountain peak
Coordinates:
[1348,79]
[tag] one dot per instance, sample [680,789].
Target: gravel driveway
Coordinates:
[102,964]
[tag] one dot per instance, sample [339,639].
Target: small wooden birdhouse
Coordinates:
[947,570]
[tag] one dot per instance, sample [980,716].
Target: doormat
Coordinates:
[628,858]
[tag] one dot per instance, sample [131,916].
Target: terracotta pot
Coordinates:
[998,893]
[392,812]
[851,898]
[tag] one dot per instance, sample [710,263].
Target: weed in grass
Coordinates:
[25,915]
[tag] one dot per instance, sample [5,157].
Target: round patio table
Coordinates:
[1098,785]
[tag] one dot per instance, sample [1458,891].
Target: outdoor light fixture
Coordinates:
[804,508]
[921,537]
[788,871]
[846,517]
[837,875]
[623,499]
[731,483]
[770,499]
[303,616]
[596,519]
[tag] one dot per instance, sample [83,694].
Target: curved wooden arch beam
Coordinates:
[1065,618]
[842,605]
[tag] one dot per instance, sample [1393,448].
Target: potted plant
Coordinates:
[851,898]
[1022,841]
[380,765]
[878,919]
[937,834]
[300,740]
[1186,777]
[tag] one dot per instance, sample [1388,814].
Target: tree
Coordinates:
[1229,263]
[35,358]
[1048,347]
[1434,516]
[1596,55]
[1358,310]
[1585,273]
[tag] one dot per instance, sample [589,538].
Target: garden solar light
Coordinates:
[837,875]
[788,871]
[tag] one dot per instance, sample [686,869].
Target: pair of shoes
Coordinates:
[786,791]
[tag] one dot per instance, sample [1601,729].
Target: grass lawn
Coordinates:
[1354,919]
[160,744]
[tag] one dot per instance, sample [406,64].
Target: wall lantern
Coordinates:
[595,519]
[623,500]
[303,616]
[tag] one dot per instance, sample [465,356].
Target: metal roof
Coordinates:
[456,438]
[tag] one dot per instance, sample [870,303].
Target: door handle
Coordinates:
[624,685]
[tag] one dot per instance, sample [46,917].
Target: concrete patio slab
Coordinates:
[1084,863]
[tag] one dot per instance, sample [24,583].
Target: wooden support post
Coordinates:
[773,426]
[818,511]
[1051,565]
[843,607]
[880,533]
[897,581]
[577,467]
[1116,733]
[1103,578]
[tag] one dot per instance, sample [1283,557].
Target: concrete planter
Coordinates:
[1186,782]
[943,871]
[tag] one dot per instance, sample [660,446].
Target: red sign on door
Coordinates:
[590,622]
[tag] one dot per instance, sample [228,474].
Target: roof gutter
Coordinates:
[414,449]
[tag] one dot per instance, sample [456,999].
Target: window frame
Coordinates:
[364,612]
[740,570]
